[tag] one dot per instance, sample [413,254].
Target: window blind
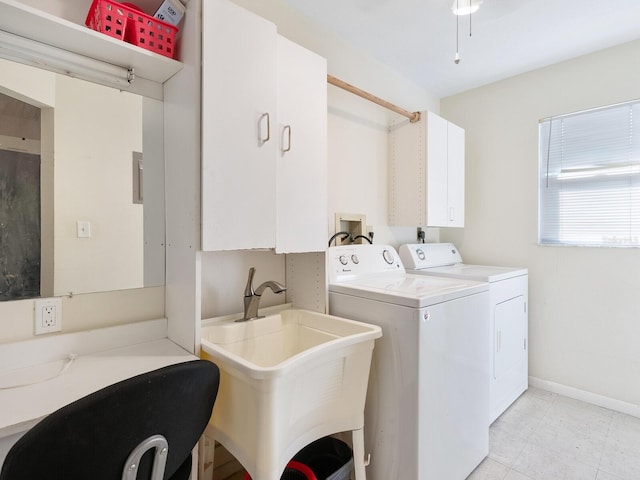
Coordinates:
[589,177]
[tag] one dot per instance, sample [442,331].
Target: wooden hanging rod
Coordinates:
[412,116]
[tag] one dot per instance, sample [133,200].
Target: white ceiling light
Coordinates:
[465,7]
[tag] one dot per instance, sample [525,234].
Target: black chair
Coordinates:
[144,427]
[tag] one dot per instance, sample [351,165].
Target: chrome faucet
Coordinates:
[252,297]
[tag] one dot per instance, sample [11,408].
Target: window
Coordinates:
[589,177]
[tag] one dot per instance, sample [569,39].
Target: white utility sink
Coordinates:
[286,380]
[271,346]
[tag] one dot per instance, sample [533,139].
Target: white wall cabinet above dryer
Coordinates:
[426,173]
[264,115]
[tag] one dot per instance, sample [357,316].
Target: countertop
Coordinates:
[38,377]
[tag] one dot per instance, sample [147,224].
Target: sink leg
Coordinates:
[206,457]
[358,454]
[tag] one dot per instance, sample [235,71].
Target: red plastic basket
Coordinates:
[125,22]
[152,34]
[108,17]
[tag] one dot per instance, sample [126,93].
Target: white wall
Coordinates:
[357,154]
[33,86]
[224,275]
[76,10]
[72,10]
[584,312]
[93,156]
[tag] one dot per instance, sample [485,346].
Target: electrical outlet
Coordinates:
[48,315]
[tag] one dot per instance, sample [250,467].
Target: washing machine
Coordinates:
[427,407]
[508,293]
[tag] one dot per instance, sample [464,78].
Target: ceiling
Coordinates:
[418,37]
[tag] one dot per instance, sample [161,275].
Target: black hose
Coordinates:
[362,236]
[346,235]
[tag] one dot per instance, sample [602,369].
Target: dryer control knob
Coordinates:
[420,254]
[343,259]
[388,257]
[355,259]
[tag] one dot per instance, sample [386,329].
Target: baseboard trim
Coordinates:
[584,396]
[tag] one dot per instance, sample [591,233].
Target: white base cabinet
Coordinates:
[426,173]
[264,115]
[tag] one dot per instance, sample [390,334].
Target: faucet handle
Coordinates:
[248,289]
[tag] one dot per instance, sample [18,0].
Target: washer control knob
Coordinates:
[355,259]
[343,259]
[388,257]
[420,254]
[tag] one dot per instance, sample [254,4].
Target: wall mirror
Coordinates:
[82,196]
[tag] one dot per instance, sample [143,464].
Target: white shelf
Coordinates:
[28,22]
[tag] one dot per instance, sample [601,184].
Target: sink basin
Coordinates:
[273,345]
[286,380]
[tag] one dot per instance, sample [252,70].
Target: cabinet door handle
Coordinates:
[451,214]
[140,181]
[287,129]
[498,341]
[265,117]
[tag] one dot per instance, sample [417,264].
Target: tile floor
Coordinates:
[545,436]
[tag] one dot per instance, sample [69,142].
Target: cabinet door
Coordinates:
[426,173]
[455,176]
[238,128]
[510,330]
[437,171]
[301,207]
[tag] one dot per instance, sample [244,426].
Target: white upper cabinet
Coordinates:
[301,209]
[455,175]
[264,114]
[426,173]
[239,141]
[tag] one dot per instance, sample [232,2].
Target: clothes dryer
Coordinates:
[509,298]
[426,414]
